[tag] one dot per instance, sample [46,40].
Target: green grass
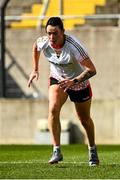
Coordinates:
[31,162]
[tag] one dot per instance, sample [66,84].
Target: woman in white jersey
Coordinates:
[70,69]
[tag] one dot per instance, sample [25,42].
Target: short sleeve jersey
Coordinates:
[68,64]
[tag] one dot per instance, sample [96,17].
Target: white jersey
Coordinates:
[68,64]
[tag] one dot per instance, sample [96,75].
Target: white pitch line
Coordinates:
[39,162]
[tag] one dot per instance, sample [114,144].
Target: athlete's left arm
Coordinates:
[89,70]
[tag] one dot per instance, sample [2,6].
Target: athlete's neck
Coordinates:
[59,46]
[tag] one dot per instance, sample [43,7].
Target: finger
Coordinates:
[30,81]
[62,82]
[63,86]
[36,78]
[66,88]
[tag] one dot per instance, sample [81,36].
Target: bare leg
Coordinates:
[83,112]
[57,98]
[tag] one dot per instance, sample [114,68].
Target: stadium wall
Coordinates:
[18,117]
[19,120]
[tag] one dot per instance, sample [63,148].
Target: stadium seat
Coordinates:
[29,23]
[53,9]
[79,7]
[70,7]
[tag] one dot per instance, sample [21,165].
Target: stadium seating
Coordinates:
[111,7]
[29,23]
[79,7]
[53,9]
[70,7]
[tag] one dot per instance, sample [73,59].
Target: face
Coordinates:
[55,35]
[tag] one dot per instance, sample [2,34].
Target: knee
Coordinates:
[53,112]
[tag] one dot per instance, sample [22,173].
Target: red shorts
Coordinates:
[75,96]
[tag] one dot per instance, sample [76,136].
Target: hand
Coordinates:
[34,75]
[66,84]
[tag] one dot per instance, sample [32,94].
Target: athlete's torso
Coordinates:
[65,61]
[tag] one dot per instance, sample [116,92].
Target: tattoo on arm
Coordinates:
[86,75]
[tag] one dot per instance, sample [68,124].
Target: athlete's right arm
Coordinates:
[35,71]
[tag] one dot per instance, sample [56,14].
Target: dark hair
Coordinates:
[55,21]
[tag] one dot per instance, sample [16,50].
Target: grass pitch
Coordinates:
[31,162]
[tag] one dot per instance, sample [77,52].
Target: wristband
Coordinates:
[75,81]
